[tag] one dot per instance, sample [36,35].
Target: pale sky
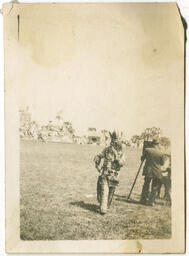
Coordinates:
[109,66]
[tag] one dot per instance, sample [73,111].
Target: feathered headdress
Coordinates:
[113,136]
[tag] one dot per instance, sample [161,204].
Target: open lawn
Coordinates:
[58,197]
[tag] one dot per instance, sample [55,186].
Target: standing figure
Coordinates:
[166,178]
[152,172]
[108,164]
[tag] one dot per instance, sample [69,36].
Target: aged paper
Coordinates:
[94,92]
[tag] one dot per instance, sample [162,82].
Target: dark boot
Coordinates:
[110,195]
[155,184]
[145,190]
[104,196]
[99,190]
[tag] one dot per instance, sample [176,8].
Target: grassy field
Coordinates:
[58,197]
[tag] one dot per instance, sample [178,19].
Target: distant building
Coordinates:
[105,138]
[80,140]
[93,136]
[25,116]
[25,123]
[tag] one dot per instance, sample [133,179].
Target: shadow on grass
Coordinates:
[86,206]
[132,201]
[118,196]
[126,200]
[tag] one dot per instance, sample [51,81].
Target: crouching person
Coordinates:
[166,179]
[108,163]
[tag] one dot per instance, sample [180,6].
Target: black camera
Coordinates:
[147,144]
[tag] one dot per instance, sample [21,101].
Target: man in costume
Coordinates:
[108,164]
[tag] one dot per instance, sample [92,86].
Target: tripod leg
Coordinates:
[135,180]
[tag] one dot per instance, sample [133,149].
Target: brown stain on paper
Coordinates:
[48,37]
[133,246]
[139,246]
[162,45]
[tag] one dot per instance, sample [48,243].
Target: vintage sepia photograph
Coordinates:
[94,127]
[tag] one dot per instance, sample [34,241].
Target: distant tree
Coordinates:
[150,133]
[147,134]
[92,129]
[127,143]
[164,141]
[59,115]
[50,126]
[135,139]
[69,128]
[104,131]
[155,132]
